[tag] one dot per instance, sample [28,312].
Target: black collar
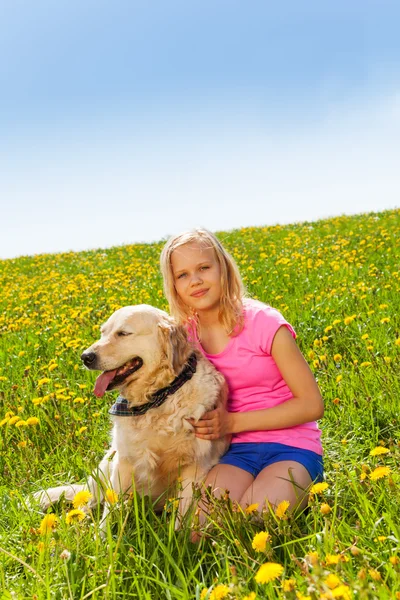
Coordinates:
[121,408]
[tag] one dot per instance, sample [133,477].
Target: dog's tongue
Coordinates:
[102,382]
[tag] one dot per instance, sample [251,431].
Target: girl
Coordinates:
[274,401]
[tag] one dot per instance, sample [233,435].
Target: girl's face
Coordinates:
[197,276]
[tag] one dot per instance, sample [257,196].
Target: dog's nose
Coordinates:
[88,358]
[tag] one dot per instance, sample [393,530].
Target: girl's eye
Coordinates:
[123,333]
[204,267]
[181,275]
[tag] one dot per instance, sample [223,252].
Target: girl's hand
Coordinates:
[213,425]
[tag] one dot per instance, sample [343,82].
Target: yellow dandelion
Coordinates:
[337,357]
[332,559]
[81,498]
[332,581]
[318,488]
[111,496]
[316,363]
[394,560]
[74,516]
[397,342]
[328,328]
[251,596]
[313,558]
[387,360]
[21,423]
[32,421]
[43,381]
[53,366]
[268,572]
[281,509]
[365,364]
[342,592]
[14,420]
[260,541]
[48,523]
[379,450]
[288,585]
[385,320]
[22,444]
[204,593]
[219,592]
[339,378]
[81,430]
[375,575]
[251,508]
[349,320]
[311,354]
[325,509]
[379,473]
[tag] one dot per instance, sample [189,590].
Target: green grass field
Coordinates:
[337,281]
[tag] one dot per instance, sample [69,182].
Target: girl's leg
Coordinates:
[228,477]
[284,480]
[219,479]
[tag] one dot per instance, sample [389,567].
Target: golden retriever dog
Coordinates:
[163,381]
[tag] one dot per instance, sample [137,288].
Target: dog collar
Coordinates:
[121,409]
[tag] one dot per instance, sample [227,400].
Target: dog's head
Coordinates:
[137,343]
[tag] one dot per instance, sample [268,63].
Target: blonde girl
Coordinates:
[274,401]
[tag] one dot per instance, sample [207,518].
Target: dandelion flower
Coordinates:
[379,472]
[397,342]
[22,444]
[365,364]
[332,559]
[14,420]
[282,508]
[260,541]
[74,516]
[325,509]
[21,423]
[251,508]
[49,522]
[288,585]
[394,560]
[111,496]
[32,421]
[268,572]
[318,488]
[81,498]
[337,357]
[219,592]
[379,450]
[342,592]
[339,378]
[375,575]
[251,596]
[332,581]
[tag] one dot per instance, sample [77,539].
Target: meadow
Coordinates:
[337,281]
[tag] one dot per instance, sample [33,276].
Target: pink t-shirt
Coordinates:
[254,379]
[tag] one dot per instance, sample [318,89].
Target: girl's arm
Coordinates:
[305,406]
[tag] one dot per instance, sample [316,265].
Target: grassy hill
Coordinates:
[337,281]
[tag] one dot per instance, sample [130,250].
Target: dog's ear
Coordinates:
[175,342]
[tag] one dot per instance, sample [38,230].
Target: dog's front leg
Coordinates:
[189,477]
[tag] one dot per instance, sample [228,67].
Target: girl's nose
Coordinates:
[196,278]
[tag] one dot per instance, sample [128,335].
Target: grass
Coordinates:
[337,282]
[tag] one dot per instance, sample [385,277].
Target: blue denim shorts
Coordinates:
[254,457]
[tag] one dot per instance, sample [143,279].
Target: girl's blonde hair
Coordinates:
[231,307]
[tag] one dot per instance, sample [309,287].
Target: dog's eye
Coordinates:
[123,333]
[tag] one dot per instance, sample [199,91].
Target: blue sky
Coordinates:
[129,121]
